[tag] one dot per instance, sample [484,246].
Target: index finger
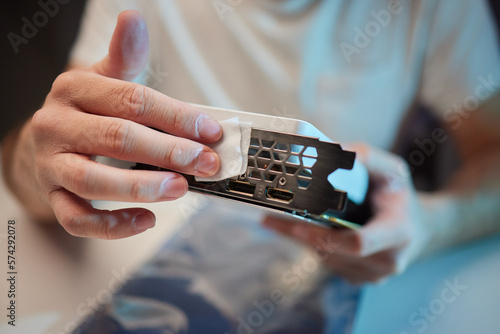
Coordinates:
[104,96]
[347,242]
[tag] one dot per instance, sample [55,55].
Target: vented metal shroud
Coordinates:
[287,172]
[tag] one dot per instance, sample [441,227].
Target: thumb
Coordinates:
[128,50]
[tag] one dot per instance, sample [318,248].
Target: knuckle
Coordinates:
[133,101]
[182,155]
[104,229]
[63,84]
[136,191]
[40,123]
[96,226]
[62,80]
[72,225]
[43,174]
[80,181]
[176,157]
[176,115]
[170,155]
[116,137]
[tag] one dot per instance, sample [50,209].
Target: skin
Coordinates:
[48,165]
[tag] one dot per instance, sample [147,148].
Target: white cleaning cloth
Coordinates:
[232,149]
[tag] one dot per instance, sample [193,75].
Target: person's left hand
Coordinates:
[390,240]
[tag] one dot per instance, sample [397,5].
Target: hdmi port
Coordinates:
[284,196]
[239,187]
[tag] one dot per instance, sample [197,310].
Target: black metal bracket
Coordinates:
[287,172]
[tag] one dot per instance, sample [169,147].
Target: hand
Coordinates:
[95,112]
[392,238]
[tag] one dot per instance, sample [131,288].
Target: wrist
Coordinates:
[18,165]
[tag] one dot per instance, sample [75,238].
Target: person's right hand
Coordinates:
[97,112]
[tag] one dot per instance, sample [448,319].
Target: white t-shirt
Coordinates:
[353,68]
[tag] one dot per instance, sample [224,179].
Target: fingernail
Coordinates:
[173,187]
[208,128]
[207,163]
[143,221]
